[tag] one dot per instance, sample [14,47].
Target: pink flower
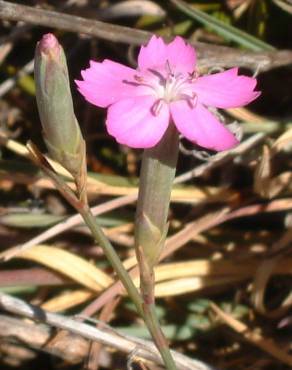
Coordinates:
[165,88]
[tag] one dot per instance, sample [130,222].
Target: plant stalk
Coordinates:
[145,306]
[146,311]
[112,256]
[156,179]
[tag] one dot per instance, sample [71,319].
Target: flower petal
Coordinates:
[181,55]
[132,122]
[201,127]
[153,54]
[226,89]
[105,83]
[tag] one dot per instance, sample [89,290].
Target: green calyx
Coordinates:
[61,130]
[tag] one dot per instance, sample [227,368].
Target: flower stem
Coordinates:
[155,329]
[156,179]
[112,256]
[146,311]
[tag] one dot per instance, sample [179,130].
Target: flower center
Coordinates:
[167,86]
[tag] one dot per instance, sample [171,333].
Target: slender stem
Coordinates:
[81,205]
[157,334]
[145,306]
[147,279]
[112,256]
[147,311]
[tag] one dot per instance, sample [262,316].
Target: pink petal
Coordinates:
[153,54]
[201,127]
[105,83]
[226,89]
[181,55]
[132,122]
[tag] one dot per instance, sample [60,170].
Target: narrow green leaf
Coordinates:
[227,31]
[28,220]
[172,332]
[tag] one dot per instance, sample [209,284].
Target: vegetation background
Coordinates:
[224,285]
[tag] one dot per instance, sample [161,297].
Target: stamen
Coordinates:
[193,100]
[156,107]
[194,75]
[141,81]
[138,78]
[168,68]
[167,85]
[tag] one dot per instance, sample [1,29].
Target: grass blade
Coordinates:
[227,31]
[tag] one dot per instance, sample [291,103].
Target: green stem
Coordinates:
[112,256]
[81,206]
[156,179]
[153,325]
[148,312]
[145,306]
[147,281]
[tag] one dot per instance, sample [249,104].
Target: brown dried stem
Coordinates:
[107,336]
[209,55]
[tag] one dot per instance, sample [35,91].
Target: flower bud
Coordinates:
[61,130]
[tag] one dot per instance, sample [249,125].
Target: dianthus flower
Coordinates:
[165,89]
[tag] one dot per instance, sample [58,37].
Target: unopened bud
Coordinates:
[61,130]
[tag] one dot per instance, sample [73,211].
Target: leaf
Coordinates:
[67,300]
[188,285]
[68,264]
[172,332]
[28,220]
[227,31]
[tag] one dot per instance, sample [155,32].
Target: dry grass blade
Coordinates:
[67,300]
[283,141]
[222,158]
[22,150]
[144,349]
[229,226]
[69,265]
[186,234]
[266,344]
[264,183]
[68,224]
[267,268]
[186,277]
[284,5]
[263,275]
[190,285]
[245,114]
